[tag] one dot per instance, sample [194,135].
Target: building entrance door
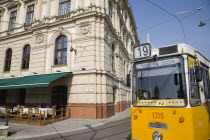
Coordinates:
[21,97]
[59,96]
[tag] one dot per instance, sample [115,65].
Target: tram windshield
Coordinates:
[159,83]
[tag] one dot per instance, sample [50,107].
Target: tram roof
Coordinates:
[186,49]
[180,48]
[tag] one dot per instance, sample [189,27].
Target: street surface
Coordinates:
[119,130]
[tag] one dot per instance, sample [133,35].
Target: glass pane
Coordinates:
[62,6]
[57,60]
[68,5]
[65,39]
[64,44]
[58,54]
[58,46]
[64,53]
[32,8]
[148,86]
[61,13]
[64,60]
[67,11]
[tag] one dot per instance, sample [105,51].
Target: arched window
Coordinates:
[8,60]
[26,57]
[113,57]
[61,50]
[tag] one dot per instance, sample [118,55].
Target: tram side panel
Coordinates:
[173,123]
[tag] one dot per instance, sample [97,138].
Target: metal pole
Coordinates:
[7,118]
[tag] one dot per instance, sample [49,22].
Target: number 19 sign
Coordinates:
[142,51]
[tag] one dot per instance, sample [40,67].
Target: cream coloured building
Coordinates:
[72,53]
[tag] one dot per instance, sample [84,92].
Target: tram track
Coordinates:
[93,133]
[109,136]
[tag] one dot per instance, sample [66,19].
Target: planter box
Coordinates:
[4,131]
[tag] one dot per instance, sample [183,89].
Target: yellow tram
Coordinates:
[170,93]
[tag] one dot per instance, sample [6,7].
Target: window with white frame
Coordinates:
[61,50]
[64,7]
[30,14]
[8,59]
[12,20]
[26,57]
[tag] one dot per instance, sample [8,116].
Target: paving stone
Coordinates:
[20,131]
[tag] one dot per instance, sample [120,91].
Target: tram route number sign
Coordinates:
[142,51]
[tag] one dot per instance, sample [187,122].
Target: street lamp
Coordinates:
[202,23]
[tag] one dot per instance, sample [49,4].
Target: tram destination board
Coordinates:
[142,51]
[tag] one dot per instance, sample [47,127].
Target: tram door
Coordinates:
[59,96]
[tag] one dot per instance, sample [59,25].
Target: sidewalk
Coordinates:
[21,131]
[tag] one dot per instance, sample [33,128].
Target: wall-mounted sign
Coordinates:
[88,89]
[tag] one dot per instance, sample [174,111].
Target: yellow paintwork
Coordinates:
[191,61]
[196,124]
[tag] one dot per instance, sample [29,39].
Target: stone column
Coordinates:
[48,8]
[5,17]
[102,5]
[38,10]
[73,4]
[81,5]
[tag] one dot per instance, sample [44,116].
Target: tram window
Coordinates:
[208,83]
[205,82]
[195,96]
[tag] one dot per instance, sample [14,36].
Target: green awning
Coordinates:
[30,81]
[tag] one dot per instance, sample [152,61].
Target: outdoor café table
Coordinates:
[15,109]
[2,110]
[25,110]
[47,110]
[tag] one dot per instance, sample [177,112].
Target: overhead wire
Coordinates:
[183,32]
[166,21]
[195,11]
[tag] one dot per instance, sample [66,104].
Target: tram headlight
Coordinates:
[157,135]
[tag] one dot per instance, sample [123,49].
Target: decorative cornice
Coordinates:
[12,4]
[3,2]
[2,9]
[27,1]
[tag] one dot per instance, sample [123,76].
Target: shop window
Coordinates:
[61,50]
[12,20]
[8,60]
[64,7]
[26,57]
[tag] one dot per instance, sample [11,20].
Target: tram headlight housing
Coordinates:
[157,135]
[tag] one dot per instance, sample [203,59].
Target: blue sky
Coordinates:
[165,29]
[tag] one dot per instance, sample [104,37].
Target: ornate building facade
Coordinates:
[88,42]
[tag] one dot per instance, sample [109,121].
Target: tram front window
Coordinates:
[159,83]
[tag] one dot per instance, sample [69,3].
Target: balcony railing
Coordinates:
[61,17]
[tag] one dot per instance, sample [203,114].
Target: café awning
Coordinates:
[35,81]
